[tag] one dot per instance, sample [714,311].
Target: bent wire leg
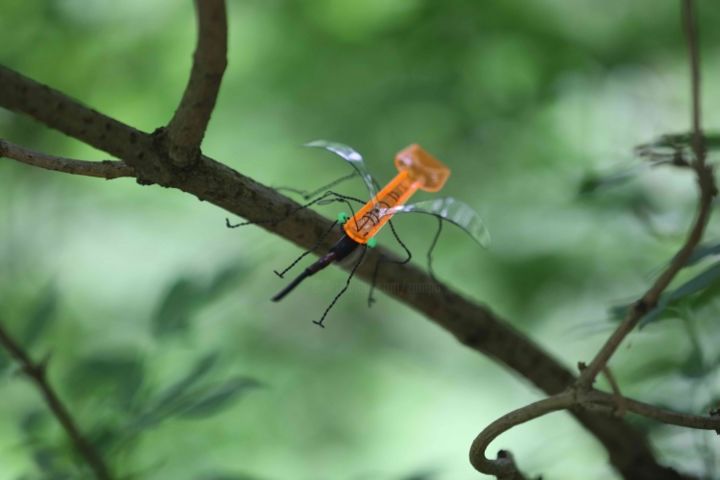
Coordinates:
[276,220]
[384,259]
[308,195]
[320,322]
[432,247]
[307,252]
[328,197]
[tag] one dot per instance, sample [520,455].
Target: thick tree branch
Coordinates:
[707,192]
[474,325]
[107,169]
[187,127]
[38,374]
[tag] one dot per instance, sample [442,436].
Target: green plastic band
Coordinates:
[342,217]
[372,242]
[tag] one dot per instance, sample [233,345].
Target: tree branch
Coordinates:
[187,127]
[504,467]
[708,191]
[474,325]
[690,28]
[37,372]
[668,417]
[107,169]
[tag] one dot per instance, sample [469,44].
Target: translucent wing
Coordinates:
[452,210]
[352,157]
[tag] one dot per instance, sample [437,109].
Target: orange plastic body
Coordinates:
[417,170]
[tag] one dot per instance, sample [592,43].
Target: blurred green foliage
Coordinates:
[156,318]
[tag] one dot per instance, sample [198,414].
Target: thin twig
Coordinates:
[107,169]
[189,123]
[708,191]
[690,28]
[663,415]
[37,372]
[620,407]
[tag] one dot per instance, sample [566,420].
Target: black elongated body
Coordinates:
[344,247]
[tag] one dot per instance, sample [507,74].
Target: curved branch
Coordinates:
[38,374]
[650,299]
[504,467]
[187,127]
[708,191]
[473,324]
[107,169]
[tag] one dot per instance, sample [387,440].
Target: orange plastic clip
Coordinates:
[417,170]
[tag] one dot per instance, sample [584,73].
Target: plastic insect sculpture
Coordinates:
[417,170]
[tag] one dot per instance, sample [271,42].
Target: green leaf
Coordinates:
[421,475]
[227,476]
[678,140]
[116,376]
[593,182]
[219,398]
[182,300]
[43,313]
[709,278]
[187,296]
[171,400]
[702,251]
[179,388]
[32,423]
[694,366]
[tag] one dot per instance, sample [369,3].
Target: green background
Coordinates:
[128,287]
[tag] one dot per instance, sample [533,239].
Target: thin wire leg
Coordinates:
[383,259]
[328,196]
[344,289]
[432,247]
[307,252]
[308,195]
[276,220]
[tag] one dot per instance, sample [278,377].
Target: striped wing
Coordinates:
[351,157]
[454,211]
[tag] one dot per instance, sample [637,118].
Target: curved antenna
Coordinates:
[353,158]
[452,210]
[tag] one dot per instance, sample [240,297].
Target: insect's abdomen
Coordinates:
[370,218]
